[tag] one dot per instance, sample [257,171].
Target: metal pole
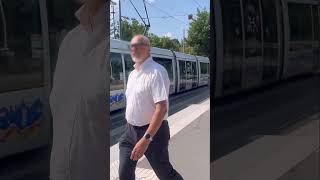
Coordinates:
[183,41]
[120,29]
[114,24]
[4,26]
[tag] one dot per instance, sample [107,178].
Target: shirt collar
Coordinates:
[145,63]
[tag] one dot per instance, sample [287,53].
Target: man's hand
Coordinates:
[139,149]
[155,123]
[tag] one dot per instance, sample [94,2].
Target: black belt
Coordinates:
[144,126]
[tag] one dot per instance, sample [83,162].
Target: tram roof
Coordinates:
[203,59]
[184,56]
[160,51]
[119,45]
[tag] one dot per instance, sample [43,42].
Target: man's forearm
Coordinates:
[156,120]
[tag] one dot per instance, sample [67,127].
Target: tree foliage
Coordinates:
[199,32]
[164,42]
[133,27]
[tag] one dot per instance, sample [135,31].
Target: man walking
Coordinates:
[147,131]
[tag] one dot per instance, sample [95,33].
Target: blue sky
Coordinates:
[159,12]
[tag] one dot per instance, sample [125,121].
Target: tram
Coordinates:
[259,42]
[185,71]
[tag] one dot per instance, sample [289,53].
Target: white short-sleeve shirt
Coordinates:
[146,86]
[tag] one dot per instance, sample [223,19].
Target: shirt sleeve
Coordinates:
[160,86]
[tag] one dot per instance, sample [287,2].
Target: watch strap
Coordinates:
[148,136]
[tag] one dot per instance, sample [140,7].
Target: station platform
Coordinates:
[189,146]
[290,156]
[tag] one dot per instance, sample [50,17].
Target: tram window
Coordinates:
[252,28]
[300,21]
[2,43]
[315,22]
[189,69]
[21,65]
[194,74]
[269,12]
[182,68]
[233,40]
[194,69]
[116,76]
[270,31]
[128,64]
[167,63]
[204,68]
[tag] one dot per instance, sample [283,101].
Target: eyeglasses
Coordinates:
[137,45]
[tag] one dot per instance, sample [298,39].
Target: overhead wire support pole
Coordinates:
[114,23]
[148,25]
[120,26]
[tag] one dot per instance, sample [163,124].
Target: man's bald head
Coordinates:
[141,39]
[140,48]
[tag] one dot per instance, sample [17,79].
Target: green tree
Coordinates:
[164,42]
[198,33]
[131,27]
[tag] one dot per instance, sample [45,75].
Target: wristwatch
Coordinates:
[148,137]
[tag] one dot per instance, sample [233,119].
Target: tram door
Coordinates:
[252,64]
[189,75]
[182,75]
[230,48]
[316,51]
[299,45]
[271,19]
[318,61]
[194,75]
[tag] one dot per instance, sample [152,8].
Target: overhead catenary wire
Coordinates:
[147,25]
[197,3]
[165,17]
[138,12]
[163,11]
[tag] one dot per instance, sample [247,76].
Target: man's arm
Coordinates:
[160,97]
[156,121]
[157,118]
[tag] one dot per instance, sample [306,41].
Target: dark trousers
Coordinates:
[157,153]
